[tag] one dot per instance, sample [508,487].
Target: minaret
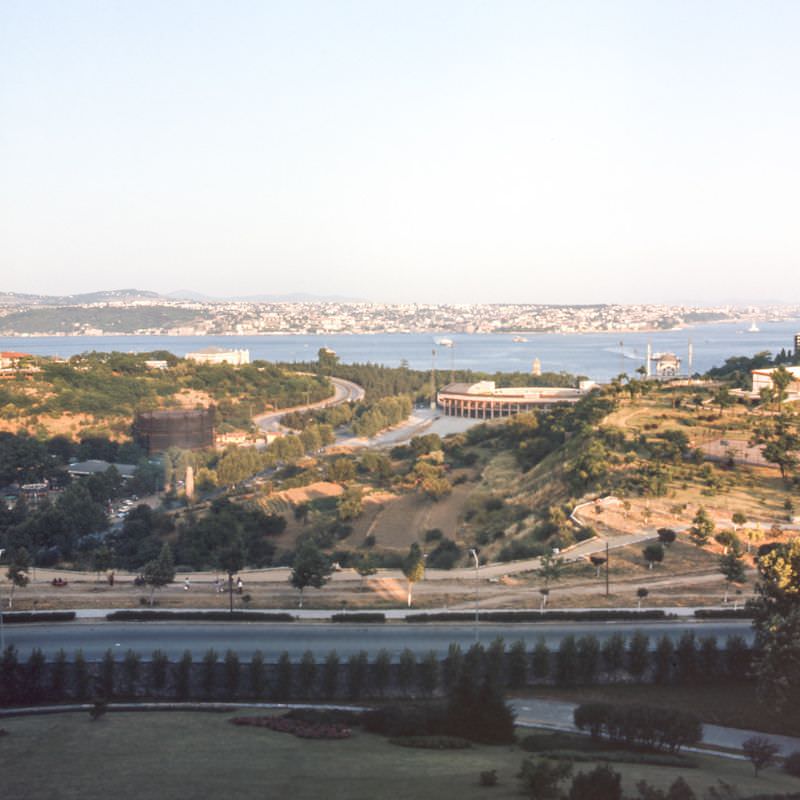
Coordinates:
[433,379]
[536,368]
[648,359]
[690,359]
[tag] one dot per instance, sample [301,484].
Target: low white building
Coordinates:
[667,365]
[762,379]
[216,355]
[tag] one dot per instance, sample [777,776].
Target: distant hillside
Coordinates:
[111,296]
[82,319]
[294,297]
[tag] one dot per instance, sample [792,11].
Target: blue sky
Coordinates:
[496,151]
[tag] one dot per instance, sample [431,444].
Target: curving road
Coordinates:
[95,638]
[343,392]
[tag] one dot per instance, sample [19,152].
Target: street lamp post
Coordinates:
[474,553]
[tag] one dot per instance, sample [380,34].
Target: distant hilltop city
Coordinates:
[137,312]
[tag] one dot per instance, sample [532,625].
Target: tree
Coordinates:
[732,568]
[160,572]
[641,594]
[777,625]
[541,779]
[311,568]
[550,568]
[781,379]
[301,512]
[761,751]
[230,559]
[413,568]
[638,654]
[666,536]
[602,783]
[723,399]
[17,573]
[702,527]
[349,504]
[597,563]
[365,566]
[653,554]
[738,519]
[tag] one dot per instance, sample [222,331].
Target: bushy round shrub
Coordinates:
[791,764]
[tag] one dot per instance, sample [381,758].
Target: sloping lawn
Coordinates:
[187,755]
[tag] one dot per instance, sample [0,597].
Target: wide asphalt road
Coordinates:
[94,638]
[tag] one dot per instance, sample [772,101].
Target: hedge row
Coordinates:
[364,616]
[9,618]
[199,616]
[724,613]
[539,616]
[643,726]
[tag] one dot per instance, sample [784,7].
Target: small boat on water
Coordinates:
[445,342]
[519,339]
[754,328]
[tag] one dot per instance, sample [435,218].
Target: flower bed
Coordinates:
[297,727]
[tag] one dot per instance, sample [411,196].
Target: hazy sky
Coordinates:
[556,151]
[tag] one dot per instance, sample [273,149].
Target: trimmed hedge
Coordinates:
[9,618]
[539,616]
[198,616]
[432,742]
[724,613]
[364,616]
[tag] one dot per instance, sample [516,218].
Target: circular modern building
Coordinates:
[186,428]
[483,400]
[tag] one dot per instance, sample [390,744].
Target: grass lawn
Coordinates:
[731,704]
[187,755]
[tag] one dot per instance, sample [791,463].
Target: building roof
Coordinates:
[793,371]
[97,467]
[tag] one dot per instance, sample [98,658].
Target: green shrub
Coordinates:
[791,764]
[601,783]
[360,617]
[488,777]
[432,742]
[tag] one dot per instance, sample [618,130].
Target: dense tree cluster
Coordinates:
[227,526]
[113,385]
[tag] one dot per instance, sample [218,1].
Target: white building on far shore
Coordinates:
[216,355]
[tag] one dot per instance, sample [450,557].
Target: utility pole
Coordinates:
[606,567]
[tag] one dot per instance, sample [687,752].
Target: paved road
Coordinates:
[557,715]
[94,638]
[343,392]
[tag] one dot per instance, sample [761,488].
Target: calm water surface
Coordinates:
[599,355]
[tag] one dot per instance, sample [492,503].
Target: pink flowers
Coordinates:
[300,728]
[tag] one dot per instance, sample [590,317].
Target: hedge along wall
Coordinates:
[29,679]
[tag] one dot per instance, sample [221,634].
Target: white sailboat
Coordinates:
[753,328]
